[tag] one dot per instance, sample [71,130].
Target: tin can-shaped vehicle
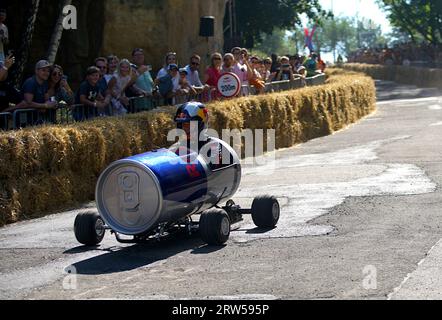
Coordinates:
[154,194]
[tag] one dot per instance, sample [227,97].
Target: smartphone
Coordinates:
[65,77]
[11,52]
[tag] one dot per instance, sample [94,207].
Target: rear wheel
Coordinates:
[214,227]
[265,212]
[89,228]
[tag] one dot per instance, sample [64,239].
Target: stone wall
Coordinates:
[160,26]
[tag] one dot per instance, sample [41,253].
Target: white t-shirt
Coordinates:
[193,78]
[4,31]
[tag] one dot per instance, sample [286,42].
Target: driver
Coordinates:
[194,116]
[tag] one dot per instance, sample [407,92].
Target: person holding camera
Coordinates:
[285,71]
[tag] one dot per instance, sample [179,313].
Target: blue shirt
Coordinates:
[86,89]
[39,91]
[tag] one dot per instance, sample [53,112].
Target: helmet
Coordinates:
[193,111]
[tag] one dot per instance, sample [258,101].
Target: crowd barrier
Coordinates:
[66,114]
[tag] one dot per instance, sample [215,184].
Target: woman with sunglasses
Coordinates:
[213,73]
[59,89]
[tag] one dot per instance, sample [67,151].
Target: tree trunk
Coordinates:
[26,43]
[57,33]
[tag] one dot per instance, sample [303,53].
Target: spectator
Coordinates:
[213,73]
[118,85]
[102,64]
[243,70]
[143,83]
[193,77]
[4,34]
[321,64]
[166,85]
[275,63]
[311,65]
[266,71]
[4,67]
[112,65]
[228,63]
[236,54]
[89,97]
[257,80]
[59,89]
[295,62]
[285,72]
[35,91]
[7,93]
[301,73]
[185,88]
[170,58]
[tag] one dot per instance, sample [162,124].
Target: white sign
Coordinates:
[229,85]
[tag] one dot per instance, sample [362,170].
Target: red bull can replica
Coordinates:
[153,195]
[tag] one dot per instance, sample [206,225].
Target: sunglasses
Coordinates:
[195,63]
[57,74]
[217,59]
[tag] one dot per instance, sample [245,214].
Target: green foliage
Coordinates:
[277,42]
[416,18]
[258,17]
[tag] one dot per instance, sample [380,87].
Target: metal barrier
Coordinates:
[66,114]
[5,121]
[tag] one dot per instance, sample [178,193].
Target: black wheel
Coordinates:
[214,227]
[89,228]
[265,212]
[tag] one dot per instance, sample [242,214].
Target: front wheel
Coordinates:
[265,212]
[89,228]
[214,227]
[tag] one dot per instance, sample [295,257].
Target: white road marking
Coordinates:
[402,101]
[435,107]
[424,282]
[436,124]
[307,201]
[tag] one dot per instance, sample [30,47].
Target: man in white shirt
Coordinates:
[193,77]
[4,34]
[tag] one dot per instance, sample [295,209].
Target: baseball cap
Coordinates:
[301,68]
[172,67]
[183,70]
[42,64]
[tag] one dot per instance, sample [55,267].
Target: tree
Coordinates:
[416,17]
[57,33]
[26,42]
[258,17]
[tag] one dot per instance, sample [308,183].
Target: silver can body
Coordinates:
[136,195]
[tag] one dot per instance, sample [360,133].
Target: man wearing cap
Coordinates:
[35,89]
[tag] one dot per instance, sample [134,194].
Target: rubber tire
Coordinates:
[84,228]
[210,227]
[262,212]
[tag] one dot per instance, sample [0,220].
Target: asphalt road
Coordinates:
[361,219]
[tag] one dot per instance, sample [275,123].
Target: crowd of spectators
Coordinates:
[400,54]
[111,84]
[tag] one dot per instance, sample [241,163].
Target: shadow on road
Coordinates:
[387,90]
[121,259]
